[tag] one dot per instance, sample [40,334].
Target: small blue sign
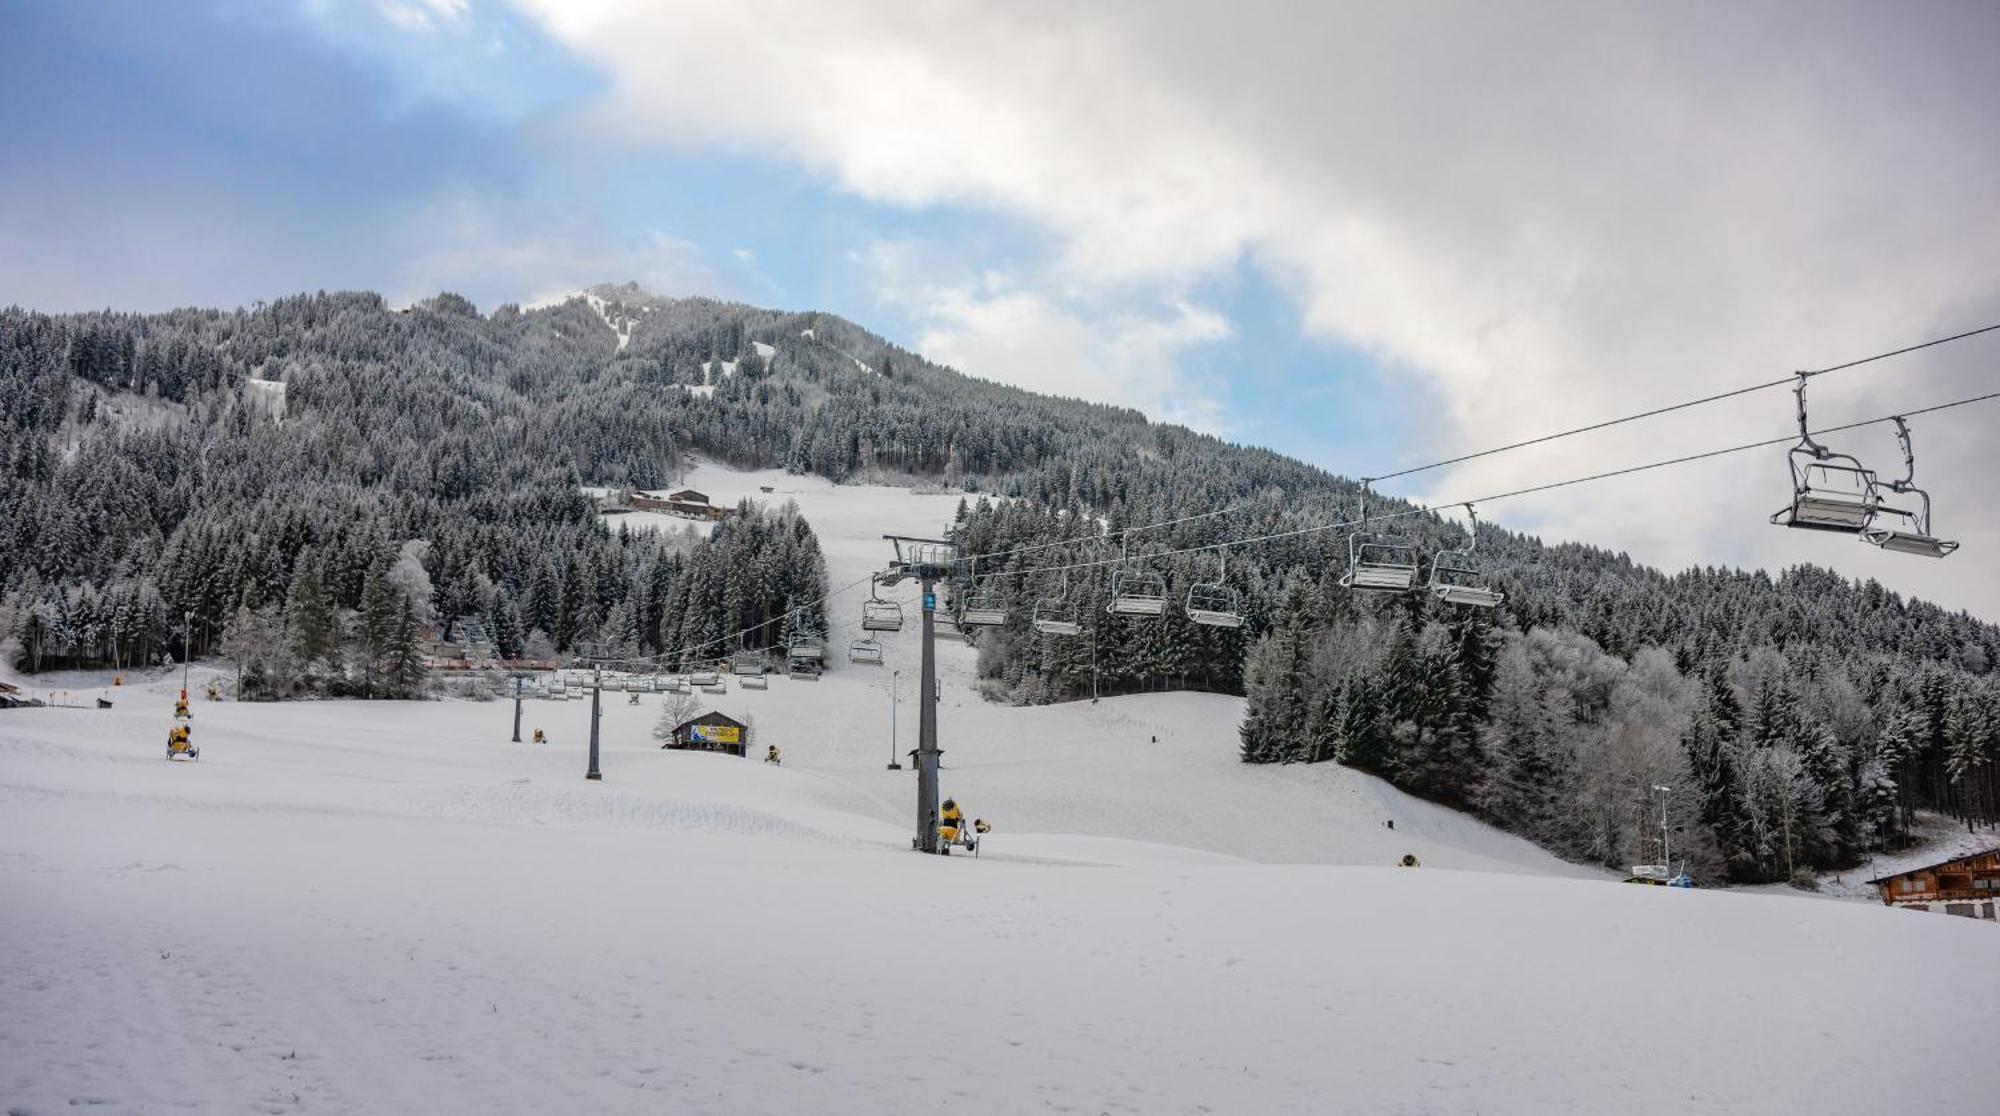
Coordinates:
[930,602]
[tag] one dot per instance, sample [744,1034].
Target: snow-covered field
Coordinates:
[394,908]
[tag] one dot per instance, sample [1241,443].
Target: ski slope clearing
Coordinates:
[1156,768]
[355,907]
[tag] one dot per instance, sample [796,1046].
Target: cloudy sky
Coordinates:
[1370,235]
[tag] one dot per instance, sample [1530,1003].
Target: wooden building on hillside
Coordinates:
[686,503]
[1967,886]
[711,732]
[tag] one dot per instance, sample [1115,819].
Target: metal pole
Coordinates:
[517,709]
[187,639]
[596,690]
[927,749]
[1666,848]
[893,676]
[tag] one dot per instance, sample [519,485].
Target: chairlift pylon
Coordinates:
[1377,565]
[1213,602]
[1455,577]
[1830,491]
[1910,529]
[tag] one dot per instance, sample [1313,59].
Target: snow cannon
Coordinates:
[180,744]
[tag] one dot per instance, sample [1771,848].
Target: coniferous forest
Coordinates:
[423,465]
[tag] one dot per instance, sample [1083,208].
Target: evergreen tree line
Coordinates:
[140,480]
[1779,762]
[395,427]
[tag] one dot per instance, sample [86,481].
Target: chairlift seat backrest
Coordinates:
[1138,593]
[1836,494]
[1215,605]
[985,607]
[1455,580]
[1381,579]
[1906,532]
[1054,616]
[1904,542]
[1475,596]
[881,616]
[1380,567]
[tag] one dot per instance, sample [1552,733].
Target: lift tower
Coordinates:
[929,561]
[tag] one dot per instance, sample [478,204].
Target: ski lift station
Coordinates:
[710,732]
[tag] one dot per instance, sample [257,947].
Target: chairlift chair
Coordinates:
[1137,592]
[1455,577]
[1055,615]
[1214,603]
[1378,565]
[878,615]
[985,606]
[1909,529]
[864,651]
[1830,491]
[753,681]
[806,649]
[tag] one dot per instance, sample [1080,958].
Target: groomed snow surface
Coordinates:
[377,907]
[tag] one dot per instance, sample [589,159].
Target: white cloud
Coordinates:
[415,16]
[495,250]
[1117,349]
[1549,213]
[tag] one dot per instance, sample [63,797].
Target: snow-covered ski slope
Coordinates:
[376,907]
[1073,769]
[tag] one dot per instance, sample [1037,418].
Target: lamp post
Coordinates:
[1666,853]
[893,676]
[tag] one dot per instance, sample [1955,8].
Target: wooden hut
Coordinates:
[711,732]
[1967,886]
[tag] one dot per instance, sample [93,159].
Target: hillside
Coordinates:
[375,906]
[1810,720]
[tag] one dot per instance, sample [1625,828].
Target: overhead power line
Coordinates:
[1320,528]
[682,654]
[1606,424]
[1657,411]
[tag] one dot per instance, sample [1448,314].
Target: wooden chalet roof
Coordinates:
[1942,865]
